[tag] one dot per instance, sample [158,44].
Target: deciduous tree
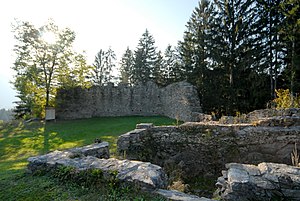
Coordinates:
[42,55]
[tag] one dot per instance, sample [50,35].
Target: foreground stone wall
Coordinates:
[203,149]
[266,181]
[139,174]
[84,160]
[179,100]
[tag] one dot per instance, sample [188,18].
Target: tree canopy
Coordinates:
[237,53]
[45,61]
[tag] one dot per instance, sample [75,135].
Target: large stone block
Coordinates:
[143,175]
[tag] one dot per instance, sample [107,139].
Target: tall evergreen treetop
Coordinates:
[145,57]
[126,67]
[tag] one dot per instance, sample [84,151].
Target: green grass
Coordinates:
[18,141]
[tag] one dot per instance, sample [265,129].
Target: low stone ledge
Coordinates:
[99,150]
[266,113]
[179,196]
[284,121]
[144,125]
[143,175]
[265,181]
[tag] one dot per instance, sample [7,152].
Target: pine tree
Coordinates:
[236,49]
[110,65]
[291,35]
[157,74]
[144,59]
[272,54]
[196,52]
[126,67]
[172,70]
[104,65]
[222,55]
[99,68]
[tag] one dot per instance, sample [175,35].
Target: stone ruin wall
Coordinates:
[203,148]
[179,101]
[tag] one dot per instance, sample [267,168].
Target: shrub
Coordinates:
[285,99]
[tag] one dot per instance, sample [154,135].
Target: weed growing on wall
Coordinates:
[83,178]
[295,156]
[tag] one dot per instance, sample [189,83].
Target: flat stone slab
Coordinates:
[179,196]
[144,175]
[144,125]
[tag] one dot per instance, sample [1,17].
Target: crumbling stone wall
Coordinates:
[203,149]
[179,100]
[266,181]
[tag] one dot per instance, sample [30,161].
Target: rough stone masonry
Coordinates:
[96,156]
[203,148]
[178,101]
[266,181]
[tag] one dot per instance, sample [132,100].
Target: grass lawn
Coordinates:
[19,140]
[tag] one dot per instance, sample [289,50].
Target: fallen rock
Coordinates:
[266,181]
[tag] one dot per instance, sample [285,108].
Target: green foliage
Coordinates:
[144,59]
[172,67]
[147,64]
[126,67]
[43,65]
[84,178]
[103,67]
[285,99]
[237,52]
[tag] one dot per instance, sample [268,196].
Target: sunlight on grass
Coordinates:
[22,154]
[21,140]
[112,140]
[18,166]
[68,145]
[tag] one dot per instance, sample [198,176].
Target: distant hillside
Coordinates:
[6,115]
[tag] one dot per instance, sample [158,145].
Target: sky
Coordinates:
[98,24]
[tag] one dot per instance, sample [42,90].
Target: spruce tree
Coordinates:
[158,75]
[99,68]
[144,59]
[196,50]
[126,67]
[104,64]
[110,65]
[291,36]
[272,54]
[172,70]
[236,50]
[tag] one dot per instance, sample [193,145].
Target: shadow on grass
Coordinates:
[46,146]
[20,140]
